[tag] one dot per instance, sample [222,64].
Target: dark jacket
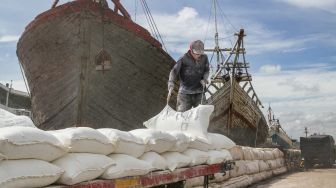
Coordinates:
[190,73]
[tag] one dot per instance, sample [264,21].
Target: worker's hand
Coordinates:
[204,83]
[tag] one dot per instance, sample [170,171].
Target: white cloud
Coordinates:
[9,38]
[270,69]
[327,5]
[186,13]
[177,30]
[261,40]
[301,98]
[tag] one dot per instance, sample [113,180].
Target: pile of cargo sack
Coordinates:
[30,157]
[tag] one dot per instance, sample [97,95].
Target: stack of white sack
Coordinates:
[210,148]
[257,163]
[8,119]
[28,152]
[143,144]
[87,158]
[165,145]
[127,149]
[251,165]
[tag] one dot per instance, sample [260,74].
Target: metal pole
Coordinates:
[9,90]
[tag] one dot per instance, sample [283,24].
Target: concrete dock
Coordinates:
[314,178]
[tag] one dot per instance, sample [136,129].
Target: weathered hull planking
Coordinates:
[247,125]
[68,88]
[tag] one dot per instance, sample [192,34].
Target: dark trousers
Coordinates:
[187,101]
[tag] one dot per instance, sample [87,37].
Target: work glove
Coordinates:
[204,83]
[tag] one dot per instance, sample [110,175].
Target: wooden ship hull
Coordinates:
[13,98]
[242,121]
[277,134]
[61,52]
[14,101]
[237,111]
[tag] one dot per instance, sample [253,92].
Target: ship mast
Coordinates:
[217,49]
[231,71]
[8,92]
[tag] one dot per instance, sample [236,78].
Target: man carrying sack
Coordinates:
[193,72]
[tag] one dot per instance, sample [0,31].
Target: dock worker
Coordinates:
[193,72]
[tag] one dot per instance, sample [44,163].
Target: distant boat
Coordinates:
[277,134]
[237,111]
[14,101]
[89,65]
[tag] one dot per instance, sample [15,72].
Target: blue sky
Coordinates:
[291,47]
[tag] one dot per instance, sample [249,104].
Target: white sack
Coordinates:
[227,154]
[8,119]
[248,154]
[199,143]
[126,165]
[18,142]
[238,169]
[263,166]
[157,141]
[176,160]
[219,141]
[156,160]
[84,140]
[197,156]
[220,177]
[237,153]
[279,171]
[280,162]
[277,153]
[81,167]
[194,121]
[272,164]
[216,157]
[268,155]
[182,141]
[123,141]
[259,176]
[28,173]
[252,167]
[5,114]
[258,153]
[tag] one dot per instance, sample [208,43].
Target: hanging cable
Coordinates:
[148,19]
[222,13]
[152,23]
[207,29]
[24,79]
[135,9]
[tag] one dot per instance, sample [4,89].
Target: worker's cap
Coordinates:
[197,47]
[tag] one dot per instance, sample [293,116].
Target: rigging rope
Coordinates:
[24,79]
[207,29]
[149,21]
[135,9]
[152,24]
[221,11]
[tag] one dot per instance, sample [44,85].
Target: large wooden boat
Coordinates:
[237,111]
[14,101]
[276,133]
[89,65]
